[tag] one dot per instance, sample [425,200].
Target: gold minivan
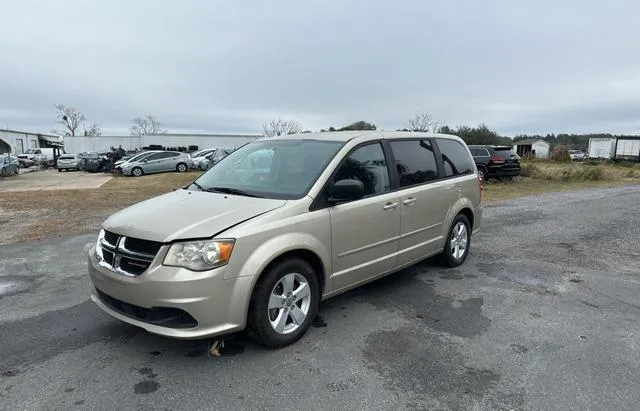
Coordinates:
[258,240]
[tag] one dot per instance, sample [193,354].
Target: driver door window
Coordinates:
[368,165]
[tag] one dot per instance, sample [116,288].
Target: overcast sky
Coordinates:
[520,66]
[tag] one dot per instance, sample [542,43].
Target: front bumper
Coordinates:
[158,299]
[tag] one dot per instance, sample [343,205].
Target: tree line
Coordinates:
[73,122]
[425,122]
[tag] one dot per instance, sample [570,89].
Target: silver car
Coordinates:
[198,156]
[68,162]
[157,162]
[212,158]
[9,164]
[277,226]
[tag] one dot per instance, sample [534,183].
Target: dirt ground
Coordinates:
[31,215]
[76,203]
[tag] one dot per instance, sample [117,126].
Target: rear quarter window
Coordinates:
[455,157]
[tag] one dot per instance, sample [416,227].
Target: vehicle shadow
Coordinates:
[329,323]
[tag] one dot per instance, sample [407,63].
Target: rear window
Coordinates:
[504,151]
[68,156]
[455,157]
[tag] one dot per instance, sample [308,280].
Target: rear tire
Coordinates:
[137,172]
[458,242]
[182,167]
[271,322]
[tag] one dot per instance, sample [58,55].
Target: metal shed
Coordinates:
[532,148]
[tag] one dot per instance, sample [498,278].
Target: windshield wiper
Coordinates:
[234,191]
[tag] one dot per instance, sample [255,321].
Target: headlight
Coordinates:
[99,255]
[199,255]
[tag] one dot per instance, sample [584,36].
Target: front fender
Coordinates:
[273,248]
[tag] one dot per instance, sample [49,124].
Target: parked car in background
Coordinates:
[43,156]
[212,158]
[200,155]
[25,162]
[9,164]
[92,162]
[133,157]
[68,162]
[577,155]
[280,224]
[157,162]
[495,161]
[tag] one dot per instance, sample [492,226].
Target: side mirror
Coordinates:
[345,190]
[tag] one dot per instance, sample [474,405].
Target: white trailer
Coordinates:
[628,149]
[100,144]
[202,141]
[602,147]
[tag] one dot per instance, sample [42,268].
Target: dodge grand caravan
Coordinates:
[280,224]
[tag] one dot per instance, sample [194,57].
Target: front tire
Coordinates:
[284,303]
[458,242]
[137,172]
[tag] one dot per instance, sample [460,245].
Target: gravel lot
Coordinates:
[52,179]
[544,315]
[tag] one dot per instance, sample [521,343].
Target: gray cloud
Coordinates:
[224,66]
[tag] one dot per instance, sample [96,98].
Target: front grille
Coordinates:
[163,316]
[126,255]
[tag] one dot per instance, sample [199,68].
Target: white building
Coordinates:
[17,142]
[532,148]
[101,144]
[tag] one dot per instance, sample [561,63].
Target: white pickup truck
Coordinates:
[37,155]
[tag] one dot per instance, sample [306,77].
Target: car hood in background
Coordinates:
[184,214]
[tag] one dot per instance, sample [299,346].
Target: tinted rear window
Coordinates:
[68,156]
[455,157]
[504,151]
[415,161]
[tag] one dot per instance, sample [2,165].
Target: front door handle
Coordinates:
[409,201]
[390,206]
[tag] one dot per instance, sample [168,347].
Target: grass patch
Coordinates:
[52,213]
[578,172]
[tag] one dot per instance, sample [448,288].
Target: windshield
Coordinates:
[202,153]
[31,151]
[283,169]
[137,156]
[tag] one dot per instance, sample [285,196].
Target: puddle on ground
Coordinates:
[12,285]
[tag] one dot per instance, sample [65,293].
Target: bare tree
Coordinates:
[423,122]
[281,127]
[93,130]
[146,125]
[70,118]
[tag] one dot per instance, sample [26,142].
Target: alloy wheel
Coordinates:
[459,240]
[289,303]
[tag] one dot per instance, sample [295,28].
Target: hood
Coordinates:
[184,214]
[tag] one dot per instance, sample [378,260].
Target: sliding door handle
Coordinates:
[390,206]
[409,201]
